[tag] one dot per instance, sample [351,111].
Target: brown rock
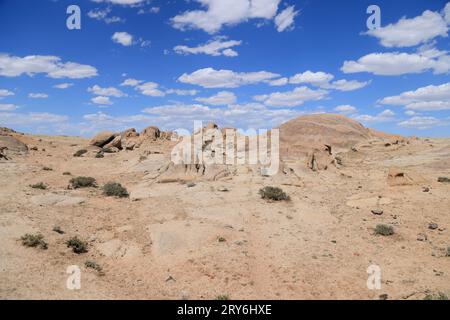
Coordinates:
[102,138]
[116,142]
[151,132]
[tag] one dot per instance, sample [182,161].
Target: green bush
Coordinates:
[93,265]
[82,182]
[436,296]
[100,155]
[79,153]
[114,189]
[67,173]
[223,297]
[39,185]
[444,179]
[273,193]
[34,240]
[384,230]
[78,246]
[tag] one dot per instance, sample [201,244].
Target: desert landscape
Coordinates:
[147,228]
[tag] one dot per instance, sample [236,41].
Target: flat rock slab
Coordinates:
[56,200]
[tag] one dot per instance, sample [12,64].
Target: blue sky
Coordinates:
[241,63]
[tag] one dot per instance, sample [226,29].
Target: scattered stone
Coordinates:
[444,179]
[170,278]
[102,138]
[58,229]
[422,237]
[426,189]
[433,226]
[191,185]
[383,296]
[222,189]
[378,212]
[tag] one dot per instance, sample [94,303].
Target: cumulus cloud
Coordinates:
[279,82]
[429,98]
[396,63]
[411,32]
[5,93]
[13,66]
[292,98]
[110,91]
[345,109]
[211,78]
[384,116]
[123,38]
[219,13]
[150,89]
[216,47]
[285,19]
[63,85]
[220,99]
[421,123]
[121,2]
[323,80]
[180,92]
[131,82]
[346,85]
[102,100]
[37,95]
[12,119]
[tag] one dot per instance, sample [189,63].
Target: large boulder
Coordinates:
[102,138]
[116,142]
[151,132]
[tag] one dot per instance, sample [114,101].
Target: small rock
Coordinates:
[377,211]
[170,278]
[383,296]
[422,237]
[426,189]
[432,226]
[191,184]
[222,189]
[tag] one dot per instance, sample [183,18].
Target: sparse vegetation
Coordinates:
[39,185]
[436,296]
[444,179]
[67,173]
[223,297]
[100,155]
[79,153]
[114,189]
[94,265]
[221,239]
[384,230]
[78,246]
[82,182]
[447,254]
[47,169]
[34,240]
[273,193]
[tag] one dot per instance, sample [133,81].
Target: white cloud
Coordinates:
[211,78]
[314,78]
[429,98]
[346,109]
[215,47]
[421,123]
[395,63]
[12,119]
[150,89]
[384,116]
[411,32]
[219,13]
[38,95]
[8,107]
[279,82]
[121,2]
[110,91]
[63,85]
[123,38]
[346,85]
[103,15]
[101,100]
[180,92]
[5,93]
[12,66]
[285,19]
[131,82]
[293,98]
[219,99]
[446,12]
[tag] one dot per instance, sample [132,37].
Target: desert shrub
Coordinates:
[436,296]
[221,239]
[223,297]
[273,193]
[39,185]
[114,189]
[78,246]
[447,254]
[58,229]
[93,265]
[34,240]
[384,230]
[82,182]
[79,153]
[67,173]
[444,179]
[47,169]
[100,155]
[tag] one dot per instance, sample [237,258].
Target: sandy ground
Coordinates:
[162,242]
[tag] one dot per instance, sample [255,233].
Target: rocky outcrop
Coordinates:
[102,138]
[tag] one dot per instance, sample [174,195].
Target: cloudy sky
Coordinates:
[241,63]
